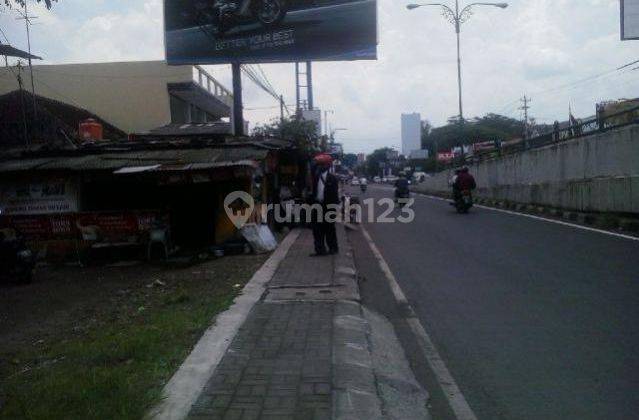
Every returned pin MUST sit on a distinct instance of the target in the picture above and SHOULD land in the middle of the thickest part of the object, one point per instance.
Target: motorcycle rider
(464, 181)
(363, 184)
(401, 186)
(453, 184)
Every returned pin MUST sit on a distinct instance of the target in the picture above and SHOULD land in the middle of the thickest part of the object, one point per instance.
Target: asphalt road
(534, 320)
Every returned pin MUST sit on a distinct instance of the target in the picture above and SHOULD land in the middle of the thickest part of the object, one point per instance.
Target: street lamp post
(457, 18)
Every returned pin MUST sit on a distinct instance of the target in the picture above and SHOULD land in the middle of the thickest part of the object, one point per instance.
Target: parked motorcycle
(225, 14)
(464, 201)
(17, 261)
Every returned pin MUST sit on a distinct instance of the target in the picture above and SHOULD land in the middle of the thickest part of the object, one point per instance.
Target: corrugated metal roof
(185, 158)
(193, 129)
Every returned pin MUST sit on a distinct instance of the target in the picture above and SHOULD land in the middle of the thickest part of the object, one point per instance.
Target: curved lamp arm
(415, 6)
(467, 11)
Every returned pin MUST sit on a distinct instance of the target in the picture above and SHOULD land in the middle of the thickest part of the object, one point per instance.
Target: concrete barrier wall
(594, 173)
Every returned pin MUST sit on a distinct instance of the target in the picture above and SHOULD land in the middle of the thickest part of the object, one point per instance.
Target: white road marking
(456, 399)
(543, 219)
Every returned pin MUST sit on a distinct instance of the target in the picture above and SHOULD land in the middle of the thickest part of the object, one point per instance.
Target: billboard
(629, 19)
(258, 31)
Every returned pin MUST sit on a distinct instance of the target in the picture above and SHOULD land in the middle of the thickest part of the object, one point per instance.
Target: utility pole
(308, 102)
(238, 111)
(297, 88)
(24, 114)
(27, 23)
(525, 107)
(281, 109)
(309, 84)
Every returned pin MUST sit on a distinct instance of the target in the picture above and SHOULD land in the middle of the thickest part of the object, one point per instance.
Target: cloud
(532, 48)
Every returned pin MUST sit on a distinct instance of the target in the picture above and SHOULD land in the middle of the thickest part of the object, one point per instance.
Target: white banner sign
(55, 196)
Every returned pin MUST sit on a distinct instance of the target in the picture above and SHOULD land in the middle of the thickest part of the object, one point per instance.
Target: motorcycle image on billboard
(259, 31)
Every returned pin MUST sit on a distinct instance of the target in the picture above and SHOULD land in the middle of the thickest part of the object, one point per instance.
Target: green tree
(427, 127)
(301, 132)
(376, 160)
(349, 160)
(486, 128)
(10, 3)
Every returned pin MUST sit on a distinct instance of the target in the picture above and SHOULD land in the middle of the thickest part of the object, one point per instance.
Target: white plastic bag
(260, 237)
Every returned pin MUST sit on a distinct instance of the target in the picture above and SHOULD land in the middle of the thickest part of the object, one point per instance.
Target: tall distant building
(411, 133)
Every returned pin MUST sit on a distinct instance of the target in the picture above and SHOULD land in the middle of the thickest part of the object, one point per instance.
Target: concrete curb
(354, 386)
(372, 378)
(187, 383)
(612, 222)
(344, 271)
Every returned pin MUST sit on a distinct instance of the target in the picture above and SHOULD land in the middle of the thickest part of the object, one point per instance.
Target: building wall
(411, 133)
(594, 173)
(133, 96)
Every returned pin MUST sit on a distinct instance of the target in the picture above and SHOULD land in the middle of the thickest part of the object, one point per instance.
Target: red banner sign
(86, 226)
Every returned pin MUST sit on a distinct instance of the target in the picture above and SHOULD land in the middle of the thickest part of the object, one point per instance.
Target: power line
(260, 79)
(263, 82)
(255, 77)
(4, 36)
(257, 108)
(573, 85)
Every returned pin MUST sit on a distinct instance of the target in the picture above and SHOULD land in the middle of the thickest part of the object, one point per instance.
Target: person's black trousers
(331, 236)
(324, 235)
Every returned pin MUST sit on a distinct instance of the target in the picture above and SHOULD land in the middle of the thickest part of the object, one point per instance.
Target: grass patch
(116, 369)
(113, 373)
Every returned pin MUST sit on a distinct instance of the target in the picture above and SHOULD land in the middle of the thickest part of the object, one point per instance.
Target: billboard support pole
(281, 109)
(238, 114)
(309, 84)
(297, 87)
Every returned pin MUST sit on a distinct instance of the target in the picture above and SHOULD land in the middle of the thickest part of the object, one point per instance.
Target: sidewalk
(303, 351)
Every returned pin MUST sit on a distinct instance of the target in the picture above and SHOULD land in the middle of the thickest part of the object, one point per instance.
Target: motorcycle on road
(402, 197)
(463, 201)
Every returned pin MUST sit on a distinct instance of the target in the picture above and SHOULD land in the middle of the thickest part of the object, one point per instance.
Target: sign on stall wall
(42, 227)
(93, 226)
(41, 197)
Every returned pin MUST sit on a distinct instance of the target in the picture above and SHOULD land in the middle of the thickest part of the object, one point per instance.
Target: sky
(560, 53)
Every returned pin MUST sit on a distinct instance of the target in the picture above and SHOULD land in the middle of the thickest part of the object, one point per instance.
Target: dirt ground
(65, 302)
